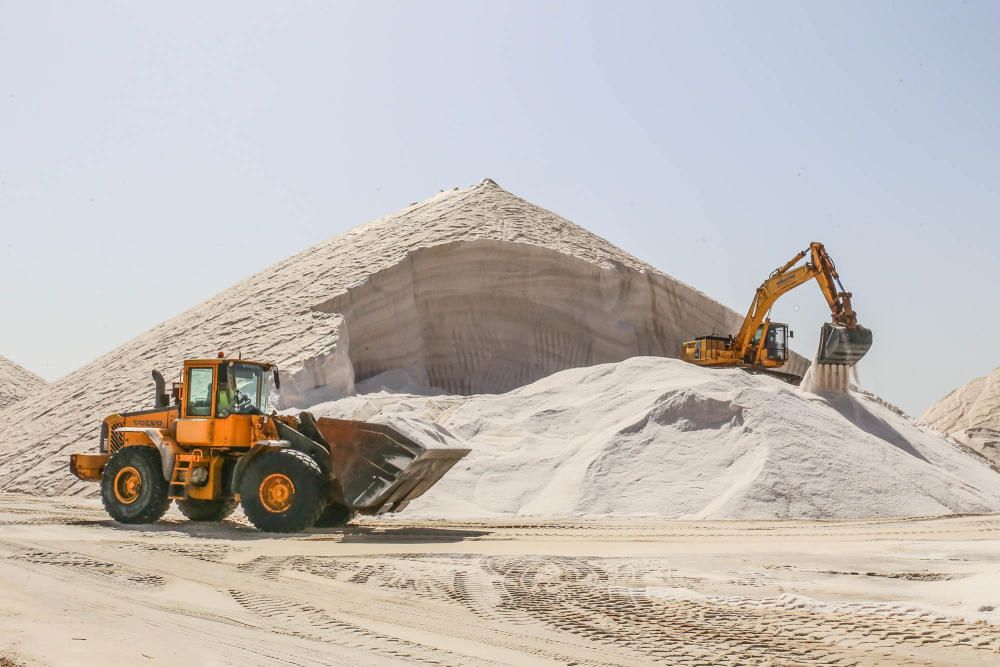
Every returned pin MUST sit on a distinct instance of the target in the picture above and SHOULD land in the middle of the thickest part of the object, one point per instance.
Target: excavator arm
(842, 313)
(783, 280)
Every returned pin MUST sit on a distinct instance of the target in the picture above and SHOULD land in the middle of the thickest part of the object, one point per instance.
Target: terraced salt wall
(488, 316)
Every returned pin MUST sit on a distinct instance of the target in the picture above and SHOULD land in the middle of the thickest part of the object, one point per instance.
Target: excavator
(761, 345)
(218, 447)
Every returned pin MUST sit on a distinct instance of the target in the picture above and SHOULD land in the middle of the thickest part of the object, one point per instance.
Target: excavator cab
(776, 343)
(775, 350)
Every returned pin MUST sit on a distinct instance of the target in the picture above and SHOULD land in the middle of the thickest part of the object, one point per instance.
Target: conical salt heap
(16, 383)
(473, 290)
(971, 414)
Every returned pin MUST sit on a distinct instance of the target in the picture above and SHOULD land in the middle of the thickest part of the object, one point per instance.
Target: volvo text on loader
(217, 447)
(762, 345)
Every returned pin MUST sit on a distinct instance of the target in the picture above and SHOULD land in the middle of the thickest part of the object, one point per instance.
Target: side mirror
(277, 379)
(791, 334)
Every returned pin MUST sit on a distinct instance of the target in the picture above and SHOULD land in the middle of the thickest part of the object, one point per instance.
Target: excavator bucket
(380, 468)
(842, 346)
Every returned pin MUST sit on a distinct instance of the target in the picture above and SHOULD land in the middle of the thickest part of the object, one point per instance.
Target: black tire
(132, 486)
(207, 510)
(334, 516)
(261, 488)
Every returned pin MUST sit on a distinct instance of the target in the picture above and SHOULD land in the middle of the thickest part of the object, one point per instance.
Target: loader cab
(224, 387)
(775, 336)
(222, 401)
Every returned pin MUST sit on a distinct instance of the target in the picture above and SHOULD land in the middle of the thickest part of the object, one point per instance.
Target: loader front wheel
(207, 510)
(133, 489)
(283, 491)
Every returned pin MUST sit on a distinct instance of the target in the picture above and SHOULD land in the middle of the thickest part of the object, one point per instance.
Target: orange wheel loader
(216, 447)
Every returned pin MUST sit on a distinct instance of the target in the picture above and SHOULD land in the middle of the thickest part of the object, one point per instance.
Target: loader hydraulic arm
(785, 279)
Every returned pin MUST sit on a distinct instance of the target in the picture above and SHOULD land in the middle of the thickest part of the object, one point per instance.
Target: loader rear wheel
(334, 516)
(283, 491)
(207, 510)
(133, 489)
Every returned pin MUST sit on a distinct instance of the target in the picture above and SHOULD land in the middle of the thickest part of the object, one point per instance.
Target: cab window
(199, 392)
(242, 390)
(776, 344)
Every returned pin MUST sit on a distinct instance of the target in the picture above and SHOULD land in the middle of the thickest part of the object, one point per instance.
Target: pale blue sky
(152, 156)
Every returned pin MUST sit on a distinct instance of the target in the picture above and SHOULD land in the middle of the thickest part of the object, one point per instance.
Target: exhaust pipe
(161, 400)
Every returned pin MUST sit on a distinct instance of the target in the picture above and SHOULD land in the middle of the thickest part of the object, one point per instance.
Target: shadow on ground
(232, 530)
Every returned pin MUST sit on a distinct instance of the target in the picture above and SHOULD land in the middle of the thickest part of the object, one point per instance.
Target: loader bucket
(843, 346)
(380, 468)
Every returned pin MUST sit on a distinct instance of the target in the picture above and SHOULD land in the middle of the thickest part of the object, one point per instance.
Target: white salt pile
(974, 405)
(971, 415)
(476, 290)
(658, 437)
(473, 290)
(16, 382)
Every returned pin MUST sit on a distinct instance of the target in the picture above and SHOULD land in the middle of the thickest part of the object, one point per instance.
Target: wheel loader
(216, 447)
(761, 345)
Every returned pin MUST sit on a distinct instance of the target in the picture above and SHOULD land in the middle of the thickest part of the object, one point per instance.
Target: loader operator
(232, 400)
(224, 402)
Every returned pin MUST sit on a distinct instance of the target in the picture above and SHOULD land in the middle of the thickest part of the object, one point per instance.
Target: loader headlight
(199, 476)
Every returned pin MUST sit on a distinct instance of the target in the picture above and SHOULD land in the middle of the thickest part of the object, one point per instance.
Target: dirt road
(77, 589)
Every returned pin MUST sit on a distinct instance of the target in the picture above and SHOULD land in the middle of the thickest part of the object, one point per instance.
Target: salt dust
(826, 378)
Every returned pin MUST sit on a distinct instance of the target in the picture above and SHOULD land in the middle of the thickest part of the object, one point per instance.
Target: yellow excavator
(220, 445)
(762, 344)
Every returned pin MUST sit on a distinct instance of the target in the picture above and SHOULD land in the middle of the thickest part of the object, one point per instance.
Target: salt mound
(473, 290)
(975, 405)
(16, 382)
(658, 437)
(971, 414)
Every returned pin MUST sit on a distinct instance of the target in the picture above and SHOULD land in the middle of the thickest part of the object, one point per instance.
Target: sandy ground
(78, 589)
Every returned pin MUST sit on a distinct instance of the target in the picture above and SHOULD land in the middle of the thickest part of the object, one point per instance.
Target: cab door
(197, 425)
(777, 343)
